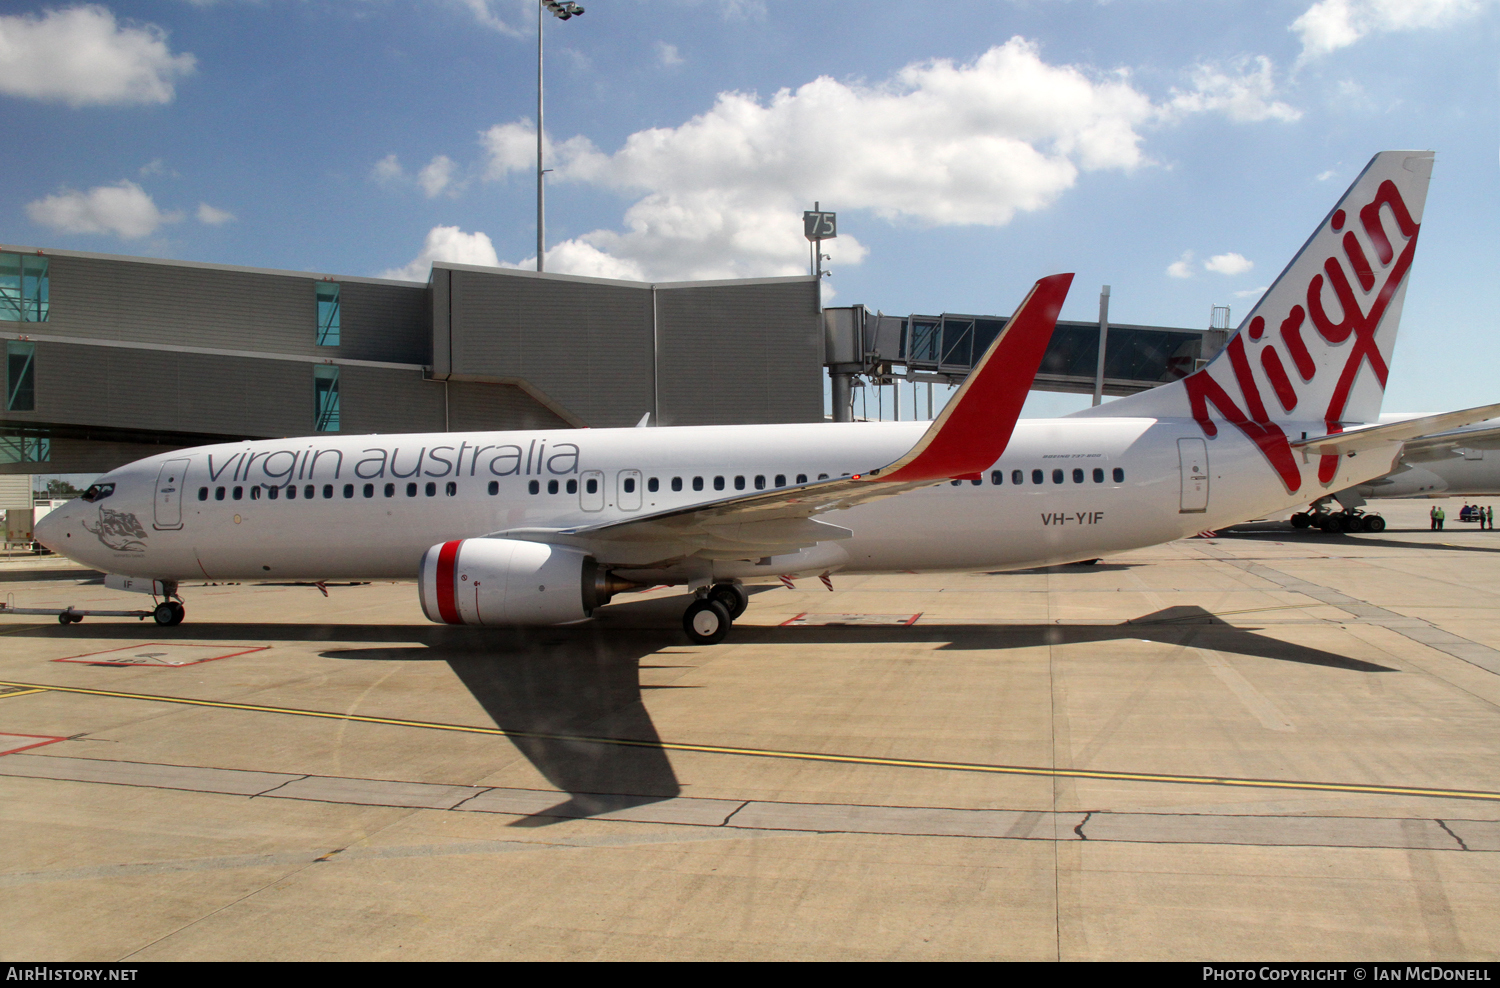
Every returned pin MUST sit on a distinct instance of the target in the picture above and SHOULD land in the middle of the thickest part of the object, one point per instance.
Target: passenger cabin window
(431, 489)
(1077, 475)
(739, 483)
(23, 288)
(254, 493)
(781, 480)
(536, 488)
(653, 485)
(238, 493)
(760, 481)
(451, 489)
(997, 477)
(676, 483)
(390, 490)
(629, 484)
(1119, 475)
(203, 493)
(411, 489)
(1017, 477)
(1098, 475)
(801, 478)
(591, 486)
(572, 487)
(325, 398)
(697, 483)
(328, 313)
(718, 483)
(1057, 476)
(495, 487)
(1036, 476)
(551, 487)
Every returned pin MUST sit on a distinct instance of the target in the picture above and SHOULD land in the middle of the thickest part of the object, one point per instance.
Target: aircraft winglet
(976, 424)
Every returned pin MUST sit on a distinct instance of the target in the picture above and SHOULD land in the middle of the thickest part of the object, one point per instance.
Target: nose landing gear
(169, 613)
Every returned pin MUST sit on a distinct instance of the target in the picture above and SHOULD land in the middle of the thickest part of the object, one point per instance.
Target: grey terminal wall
(139, 356)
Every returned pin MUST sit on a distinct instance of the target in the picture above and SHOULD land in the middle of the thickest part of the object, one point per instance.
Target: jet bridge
(864, 348)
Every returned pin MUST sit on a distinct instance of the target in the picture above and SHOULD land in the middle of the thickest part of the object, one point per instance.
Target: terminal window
(326, 397)
(328, 313)
(25, 449)
(20, 376)
(23, 287)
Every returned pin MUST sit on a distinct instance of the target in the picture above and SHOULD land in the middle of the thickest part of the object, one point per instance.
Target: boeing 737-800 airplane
(515, 528)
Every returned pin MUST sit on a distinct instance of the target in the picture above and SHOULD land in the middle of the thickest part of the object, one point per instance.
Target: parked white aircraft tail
(1315, 351)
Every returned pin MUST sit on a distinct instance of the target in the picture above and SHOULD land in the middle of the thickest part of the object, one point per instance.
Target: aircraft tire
(166, 614)
(1301, 520)
(1329, 524)
(734, 597)
(1374, 523)
(706, 622)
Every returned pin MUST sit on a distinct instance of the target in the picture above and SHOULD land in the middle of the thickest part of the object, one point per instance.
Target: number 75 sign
(819, 225)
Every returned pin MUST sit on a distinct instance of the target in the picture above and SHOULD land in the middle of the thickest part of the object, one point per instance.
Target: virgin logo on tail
(1388, 271)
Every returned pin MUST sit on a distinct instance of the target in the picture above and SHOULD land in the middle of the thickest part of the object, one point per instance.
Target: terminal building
(110, 358)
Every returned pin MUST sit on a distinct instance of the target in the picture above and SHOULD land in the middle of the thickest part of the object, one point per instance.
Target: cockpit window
(98, 492)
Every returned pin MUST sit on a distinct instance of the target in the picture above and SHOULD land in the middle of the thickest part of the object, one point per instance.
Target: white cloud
(123, 209)
(1230, 264)
(514, 24)
(214, 217)
(1245, 97)
(580, 258)
(81, 56)
(1182, 267)
(437, 176)
(1329, 25)
(387, 169)
(1252, 292)
(447, 243)
(938, 143)
(1325, 176)
(667, 54)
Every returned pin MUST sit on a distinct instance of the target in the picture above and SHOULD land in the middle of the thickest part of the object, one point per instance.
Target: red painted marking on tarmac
(37, 741)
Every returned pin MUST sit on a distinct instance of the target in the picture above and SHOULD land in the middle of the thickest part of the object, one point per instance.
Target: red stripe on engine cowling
(447, 605)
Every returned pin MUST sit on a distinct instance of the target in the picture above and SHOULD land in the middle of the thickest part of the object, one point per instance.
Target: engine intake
(511, 582)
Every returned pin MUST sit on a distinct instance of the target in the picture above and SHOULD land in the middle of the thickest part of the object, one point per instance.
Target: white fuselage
(368, 507)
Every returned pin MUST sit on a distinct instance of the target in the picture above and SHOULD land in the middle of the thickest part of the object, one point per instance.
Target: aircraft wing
(965, 439)
(1427, 427)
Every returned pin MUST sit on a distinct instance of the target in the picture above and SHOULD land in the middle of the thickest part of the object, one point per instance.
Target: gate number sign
(819, 226)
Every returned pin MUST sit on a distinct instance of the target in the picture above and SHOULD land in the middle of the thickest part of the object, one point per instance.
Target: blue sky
(1178, 151)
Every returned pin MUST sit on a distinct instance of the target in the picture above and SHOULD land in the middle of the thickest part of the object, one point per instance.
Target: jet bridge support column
(843, 352)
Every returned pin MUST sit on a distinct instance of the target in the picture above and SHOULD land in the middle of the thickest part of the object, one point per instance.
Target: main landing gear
(1338, 521)
(708, 618)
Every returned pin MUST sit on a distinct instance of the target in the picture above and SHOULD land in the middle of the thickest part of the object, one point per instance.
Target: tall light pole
(562, 10)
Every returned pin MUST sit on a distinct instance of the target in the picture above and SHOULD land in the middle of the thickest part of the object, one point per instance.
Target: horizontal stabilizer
(1369, 437)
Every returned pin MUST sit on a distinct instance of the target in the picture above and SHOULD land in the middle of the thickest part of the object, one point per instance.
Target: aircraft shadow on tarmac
(584, 680)
(1341, 539)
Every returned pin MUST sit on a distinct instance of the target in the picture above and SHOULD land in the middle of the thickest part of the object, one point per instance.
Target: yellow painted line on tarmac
(7, 693)
(804, 756)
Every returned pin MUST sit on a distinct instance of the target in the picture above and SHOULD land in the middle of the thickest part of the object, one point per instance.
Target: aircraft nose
(51, 530)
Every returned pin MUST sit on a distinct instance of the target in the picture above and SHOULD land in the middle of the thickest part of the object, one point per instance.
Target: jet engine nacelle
(510, 582)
